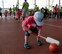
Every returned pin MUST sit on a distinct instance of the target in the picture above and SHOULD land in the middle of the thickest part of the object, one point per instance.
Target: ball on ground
(53, 48)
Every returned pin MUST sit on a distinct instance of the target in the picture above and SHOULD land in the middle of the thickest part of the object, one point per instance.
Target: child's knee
(27, 33)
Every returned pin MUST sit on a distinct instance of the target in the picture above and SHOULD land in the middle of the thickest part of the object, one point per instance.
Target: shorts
(33, 29)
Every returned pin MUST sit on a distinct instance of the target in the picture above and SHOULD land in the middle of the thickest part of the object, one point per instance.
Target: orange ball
(53, 48)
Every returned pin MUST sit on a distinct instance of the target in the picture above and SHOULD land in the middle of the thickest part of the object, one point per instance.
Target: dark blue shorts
(33, 29)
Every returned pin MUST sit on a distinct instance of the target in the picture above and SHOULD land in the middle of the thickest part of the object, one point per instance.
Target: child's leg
(6, 16)
(39, 42)
(38, 38)
(26, 45)
(19, 19)
(1, 14)
(26, 39)
(27, 34)
(35, 31)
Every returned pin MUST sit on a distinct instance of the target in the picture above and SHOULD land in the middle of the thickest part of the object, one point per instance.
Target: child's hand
(39, 32)
(29, 31)
(39, 35)
(34, 25)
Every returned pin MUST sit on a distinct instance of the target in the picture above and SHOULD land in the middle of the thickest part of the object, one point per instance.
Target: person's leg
(19, 19)
(26, 44)
(14, 14)
(27, 13)
(1, 15)
(39, 42)
(23, 13)
(60, 14)
(56, 15)
(35, 31)
(26, 40)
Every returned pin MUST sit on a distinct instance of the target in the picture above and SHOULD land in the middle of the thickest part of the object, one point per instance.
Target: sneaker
(27, 46)
(39, 43)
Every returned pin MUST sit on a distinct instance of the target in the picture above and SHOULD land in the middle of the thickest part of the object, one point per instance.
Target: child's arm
(23, 26)
(27, 29)
(39, 32)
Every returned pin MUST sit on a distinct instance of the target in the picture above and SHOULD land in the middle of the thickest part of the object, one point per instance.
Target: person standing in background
(0, 11)
(14, 10)
(60, 11)
(5, 13)
(36, 8)
(56, 11)
(10, 11)
(25, 8)
(18, 15)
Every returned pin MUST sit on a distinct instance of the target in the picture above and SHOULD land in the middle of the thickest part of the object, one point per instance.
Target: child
(6, 13)
(14, 9)
(32, 24)
(10, 11)
(18, 14)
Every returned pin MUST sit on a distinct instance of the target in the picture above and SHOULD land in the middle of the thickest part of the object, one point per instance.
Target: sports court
(11, 33)
(12, 37)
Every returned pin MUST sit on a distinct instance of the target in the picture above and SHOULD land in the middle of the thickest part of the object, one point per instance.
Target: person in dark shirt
(45, 12)
(0, 11)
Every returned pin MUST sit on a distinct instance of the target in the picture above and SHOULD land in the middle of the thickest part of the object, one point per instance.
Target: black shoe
(27, 46)
(39, 43)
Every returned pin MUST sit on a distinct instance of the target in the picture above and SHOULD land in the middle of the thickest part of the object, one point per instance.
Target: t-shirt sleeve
(25, 22)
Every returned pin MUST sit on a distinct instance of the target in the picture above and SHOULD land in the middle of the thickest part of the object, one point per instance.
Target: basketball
(53, 48)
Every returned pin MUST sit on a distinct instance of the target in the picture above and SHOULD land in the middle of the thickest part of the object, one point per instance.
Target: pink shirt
(29, 21)
(5, 13)
(55, 9)
(18, 14)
